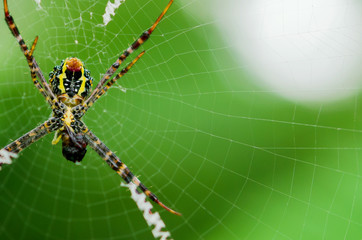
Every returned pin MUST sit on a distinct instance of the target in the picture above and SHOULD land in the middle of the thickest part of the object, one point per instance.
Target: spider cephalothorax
(70, 95)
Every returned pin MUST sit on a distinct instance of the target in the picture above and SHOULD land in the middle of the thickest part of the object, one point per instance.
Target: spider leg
(111, 82)
(33, 46)
(44, 89)
(27, 139)
(134, 46)
(117, 165)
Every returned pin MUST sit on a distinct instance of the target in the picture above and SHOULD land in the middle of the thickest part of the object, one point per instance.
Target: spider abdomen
(72, 86)
(74, 148)
(71, 81)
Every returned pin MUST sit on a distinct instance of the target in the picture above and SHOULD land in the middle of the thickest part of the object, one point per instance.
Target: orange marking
(74, 64)
(6, 10)
(160, 17)
(33, 46)
(140, 41)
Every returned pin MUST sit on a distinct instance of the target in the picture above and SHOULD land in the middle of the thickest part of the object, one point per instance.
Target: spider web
(235, 158)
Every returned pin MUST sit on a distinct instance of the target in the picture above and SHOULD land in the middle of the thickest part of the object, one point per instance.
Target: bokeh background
(245, 117)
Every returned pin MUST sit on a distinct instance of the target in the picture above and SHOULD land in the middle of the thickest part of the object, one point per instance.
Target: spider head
(71, 81)
(74, 146)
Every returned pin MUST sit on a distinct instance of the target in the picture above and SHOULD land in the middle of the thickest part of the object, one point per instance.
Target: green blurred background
(238, 161)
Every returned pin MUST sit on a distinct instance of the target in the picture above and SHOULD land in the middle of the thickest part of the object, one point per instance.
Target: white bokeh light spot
(304, 50)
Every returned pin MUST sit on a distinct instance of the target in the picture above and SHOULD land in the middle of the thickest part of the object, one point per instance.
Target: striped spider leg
(68, 111)
(117, 165)
(12, 149)
(134, 46)
(44, 89)
(106, 154)
(109, 84)
(113, 161)
(80, 110)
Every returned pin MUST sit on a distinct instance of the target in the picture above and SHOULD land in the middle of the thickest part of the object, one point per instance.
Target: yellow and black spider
(69, 96)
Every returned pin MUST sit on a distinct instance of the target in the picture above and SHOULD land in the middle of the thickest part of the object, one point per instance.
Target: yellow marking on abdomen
(61, 76)
(82, 87)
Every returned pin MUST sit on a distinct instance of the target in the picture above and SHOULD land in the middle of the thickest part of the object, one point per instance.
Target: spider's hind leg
(35, 71)
(109, 84)
(133, 47)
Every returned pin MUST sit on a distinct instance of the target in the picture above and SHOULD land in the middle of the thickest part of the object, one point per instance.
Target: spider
(69, 94)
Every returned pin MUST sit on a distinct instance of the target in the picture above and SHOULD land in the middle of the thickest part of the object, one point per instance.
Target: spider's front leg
(11, 150)
(117, 165)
